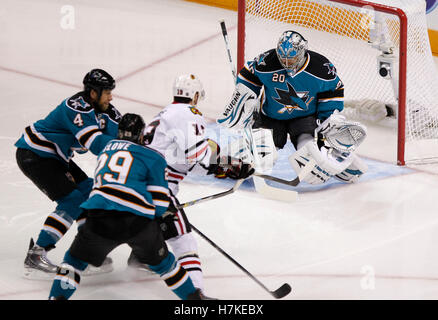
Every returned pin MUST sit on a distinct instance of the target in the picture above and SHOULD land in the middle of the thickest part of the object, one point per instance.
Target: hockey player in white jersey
(178, 132)
(297, 92)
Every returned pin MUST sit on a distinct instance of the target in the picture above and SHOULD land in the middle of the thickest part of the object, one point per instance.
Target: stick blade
(281, 292)
(273, 193)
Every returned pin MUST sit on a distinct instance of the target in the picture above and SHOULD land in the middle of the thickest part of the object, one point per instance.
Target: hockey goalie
(296, 92)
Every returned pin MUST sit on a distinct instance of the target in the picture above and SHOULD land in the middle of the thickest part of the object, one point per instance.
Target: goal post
(360, 37)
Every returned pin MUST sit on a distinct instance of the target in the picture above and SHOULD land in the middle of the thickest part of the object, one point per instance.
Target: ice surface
(373, 240)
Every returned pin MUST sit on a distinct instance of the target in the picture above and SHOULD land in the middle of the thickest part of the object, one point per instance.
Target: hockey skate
(106, 267)
(137, 265)
(198, 295)
(36, 265)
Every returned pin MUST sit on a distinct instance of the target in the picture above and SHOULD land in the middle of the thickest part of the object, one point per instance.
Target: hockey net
(364, 40)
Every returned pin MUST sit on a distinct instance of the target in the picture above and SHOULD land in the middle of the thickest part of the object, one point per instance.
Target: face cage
(293, 64)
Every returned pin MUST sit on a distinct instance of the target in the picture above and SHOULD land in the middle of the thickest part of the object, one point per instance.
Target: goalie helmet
(98, 80)
(131, 128)
(291, 51)
(186, 86)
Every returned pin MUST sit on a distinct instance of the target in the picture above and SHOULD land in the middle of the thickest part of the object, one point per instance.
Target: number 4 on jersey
(78, 120)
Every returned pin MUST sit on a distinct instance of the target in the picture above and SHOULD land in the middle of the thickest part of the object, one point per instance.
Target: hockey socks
(175, 276)
(185, 248)
(67, 279)
(59, 221)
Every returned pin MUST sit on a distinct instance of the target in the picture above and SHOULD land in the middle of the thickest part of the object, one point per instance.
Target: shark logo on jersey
(292, 100)
(260, 59)
(79, 104)
(331, 68)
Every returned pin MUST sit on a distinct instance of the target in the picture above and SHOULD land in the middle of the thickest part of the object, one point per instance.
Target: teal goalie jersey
(314, 89)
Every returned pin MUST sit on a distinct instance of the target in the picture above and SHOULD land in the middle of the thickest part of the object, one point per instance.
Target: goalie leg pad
(255, 147)
(354, 171)
(327, 164)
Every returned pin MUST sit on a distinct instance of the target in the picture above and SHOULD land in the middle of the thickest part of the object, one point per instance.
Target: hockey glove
(239, 170)
(220, 173)
(233, 168)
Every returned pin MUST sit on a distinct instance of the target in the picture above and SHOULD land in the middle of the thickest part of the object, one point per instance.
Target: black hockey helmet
(98, 80)
(131, 127)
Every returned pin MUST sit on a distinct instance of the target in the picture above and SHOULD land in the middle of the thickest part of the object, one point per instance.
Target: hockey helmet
(291, 51)
(131, 128)
(186, 86)
(98, 80)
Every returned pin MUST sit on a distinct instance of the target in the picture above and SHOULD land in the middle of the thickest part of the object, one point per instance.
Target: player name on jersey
(116, 146)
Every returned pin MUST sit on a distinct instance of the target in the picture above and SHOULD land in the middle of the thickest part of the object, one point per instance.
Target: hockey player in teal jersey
(294, 91)
(130, 190)
(85, 121)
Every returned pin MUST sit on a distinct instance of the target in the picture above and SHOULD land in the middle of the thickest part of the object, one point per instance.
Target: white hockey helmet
(187, 85)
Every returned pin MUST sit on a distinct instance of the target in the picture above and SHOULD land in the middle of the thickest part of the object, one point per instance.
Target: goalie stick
(230, 59)
(279, 293)
(260, 185)
(294, 182)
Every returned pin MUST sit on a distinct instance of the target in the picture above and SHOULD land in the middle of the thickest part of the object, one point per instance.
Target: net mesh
(344, 34)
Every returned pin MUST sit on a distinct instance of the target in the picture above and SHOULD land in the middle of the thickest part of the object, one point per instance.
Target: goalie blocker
(240, 111)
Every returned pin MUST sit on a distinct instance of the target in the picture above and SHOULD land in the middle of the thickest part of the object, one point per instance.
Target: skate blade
(35, 274)
(140, 270)
(92, 270)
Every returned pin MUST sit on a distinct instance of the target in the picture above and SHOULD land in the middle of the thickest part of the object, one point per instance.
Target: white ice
(373, 240)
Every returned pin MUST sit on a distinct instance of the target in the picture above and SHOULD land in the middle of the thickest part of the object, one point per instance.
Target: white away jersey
(178, 133)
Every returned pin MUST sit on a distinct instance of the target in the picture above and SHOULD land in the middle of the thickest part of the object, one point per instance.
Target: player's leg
(301, 130)
(177, 232)
(85, 184)
(150, 249)
(53, 178)
(279, 129)
(101, 233)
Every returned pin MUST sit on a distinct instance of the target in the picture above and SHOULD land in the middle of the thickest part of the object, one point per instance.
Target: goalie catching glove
(335, 158)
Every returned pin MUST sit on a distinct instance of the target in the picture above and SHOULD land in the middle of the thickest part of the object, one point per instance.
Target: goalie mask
(291, 51)
(186, 86)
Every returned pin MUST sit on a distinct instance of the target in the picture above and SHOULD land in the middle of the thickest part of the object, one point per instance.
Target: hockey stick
(213, 196)
(281, 292)
(230, 59)
(304, 172)
(260, 185)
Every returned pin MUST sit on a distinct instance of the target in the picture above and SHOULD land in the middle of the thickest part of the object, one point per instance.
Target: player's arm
(249, 79)
(199, 151)
(330, 99)
(112, 125)
(157, 186)
(83, 125)
(219, 164)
